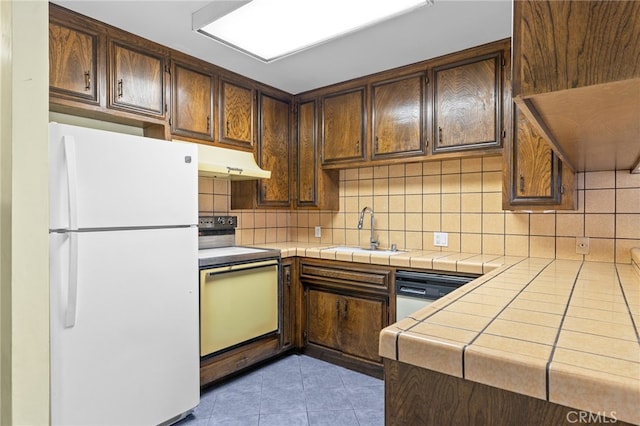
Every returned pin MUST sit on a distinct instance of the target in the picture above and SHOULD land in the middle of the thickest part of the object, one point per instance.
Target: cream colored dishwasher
(238, 303)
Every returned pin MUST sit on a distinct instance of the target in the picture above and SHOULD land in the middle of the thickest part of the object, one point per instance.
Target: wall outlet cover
(317, 231)
(440, 239)
(582, 245)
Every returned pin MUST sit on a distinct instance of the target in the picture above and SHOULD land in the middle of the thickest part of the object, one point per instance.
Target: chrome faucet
(373, 244)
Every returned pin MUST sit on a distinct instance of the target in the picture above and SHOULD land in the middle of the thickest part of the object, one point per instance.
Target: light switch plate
(317, 232)
(440, 239)
(582, 245)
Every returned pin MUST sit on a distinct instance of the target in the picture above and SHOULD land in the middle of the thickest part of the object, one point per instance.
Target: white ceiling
(447, 26)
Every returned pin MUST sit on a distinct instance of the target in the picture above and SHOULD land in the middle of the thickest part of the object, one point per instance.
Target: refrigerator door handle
(72, 291)
(72, 180)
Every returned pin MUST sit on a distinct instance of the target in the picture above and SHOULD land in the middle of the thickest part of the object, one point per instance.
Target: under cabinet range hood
(229, 164)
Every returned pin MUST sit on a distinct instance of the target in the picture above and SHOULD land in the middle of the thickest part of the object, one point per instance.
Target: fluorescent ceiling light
(272, 29)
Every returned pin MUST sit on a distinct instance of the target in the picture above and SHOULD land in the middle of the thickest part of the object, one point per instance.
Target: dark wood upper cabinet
(73, 63)
(315, 188)
(192, 94)
(307, 154)
(398, 117)
(535, 178)
(343, 126)
(467, 104)
(236, 114)
(274, 150)
(576, 76)
(137, 79)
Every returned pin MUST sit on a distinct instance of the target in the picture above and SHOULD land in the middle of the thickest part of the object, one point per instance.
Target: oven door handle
(239, 267)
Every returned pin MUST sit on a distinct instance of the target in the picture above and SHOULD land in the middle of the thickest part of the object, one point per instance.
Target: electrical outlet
(440, 239)
(582, 245)
(318, 232)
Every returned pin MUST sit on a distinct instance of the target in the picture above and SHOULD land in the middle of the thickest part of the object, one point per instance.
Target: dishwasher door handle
(411, 290)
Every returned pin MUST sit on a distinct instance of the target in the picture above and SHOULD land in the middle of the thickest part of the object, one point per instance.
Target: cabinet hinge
(426, 80)
(504, 133)
(503, 62)
(562, 189)
(167, 69)
(165, 107)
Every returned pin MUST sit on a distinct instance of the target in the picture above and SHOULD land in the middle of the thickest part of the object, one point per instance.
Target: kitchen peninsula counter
(563, 332)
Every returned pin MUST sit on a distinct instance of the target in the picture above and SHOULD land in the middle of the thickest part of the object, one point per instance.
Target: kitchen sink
(363, 250)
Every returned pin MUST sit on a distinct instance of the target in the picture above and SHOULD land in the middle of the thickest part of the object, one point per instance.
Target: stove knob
(230, 221)
(221, 220)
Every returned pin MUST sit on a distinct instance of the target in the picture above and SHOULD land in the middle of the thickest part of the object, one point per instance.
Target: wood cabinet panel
(288, 310)
(323, 318)
(236, 114)
(343, 315)
(307, 154)
(576, 76)
(535, 178)
(398, 117)
(467, 104)
(343, 124)
(192, 102)
(274, 151)
(73, 62)
(418, 396)
(315, 188)
(362, 322)
(137, 80)
(568, 44)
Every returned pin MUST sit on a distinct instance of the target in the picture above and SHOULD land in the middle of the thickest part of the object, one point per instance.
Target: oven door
(237, 303)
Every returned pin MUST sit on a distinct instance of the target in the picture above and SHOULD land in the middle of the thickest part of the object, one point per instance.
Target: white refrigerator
(124, 278)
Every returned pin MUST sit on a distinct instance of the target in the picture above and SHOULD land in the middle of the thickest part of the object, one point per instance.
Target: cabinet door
(398, 117)
(137, 80)
(538, 178)
(360, 326)
(467, 107)
(307, 154)
(73, 63)
(273, 151)
(343, 119)
(236, 114)
(192, 108)
(323, 318)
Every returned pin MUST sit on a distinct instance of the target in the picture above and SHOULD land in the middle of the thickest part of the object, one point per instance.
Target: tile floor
(295, 390)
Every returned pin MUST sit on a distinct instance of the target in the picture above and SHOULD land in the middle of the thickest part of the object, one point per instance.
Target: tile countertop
(472, 263)
(564, 331)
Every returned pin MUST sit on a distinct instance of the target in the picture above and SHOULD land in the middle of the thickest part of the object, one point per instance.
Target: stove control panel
(217, 222)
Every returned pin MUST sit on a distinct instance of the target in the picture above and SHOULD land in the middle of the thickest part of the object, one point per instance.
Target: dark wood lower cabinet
(344, 309)
(417, 396)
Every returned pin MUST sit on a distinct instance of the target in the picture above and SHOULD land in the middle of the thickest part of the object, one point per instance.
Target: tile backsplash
(461, 197)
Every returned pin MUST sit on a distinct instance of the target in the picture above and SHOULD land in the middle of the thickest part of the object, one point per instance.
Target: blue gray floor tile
(295, 390)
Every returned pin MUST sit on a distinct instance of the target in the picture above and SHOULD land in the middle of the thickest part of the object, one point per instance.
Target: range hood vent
(228, 164)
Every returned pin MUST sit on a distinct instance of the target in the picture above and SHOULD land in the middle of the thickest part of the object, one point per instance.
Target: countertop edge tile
(596, 392)
(513, 372)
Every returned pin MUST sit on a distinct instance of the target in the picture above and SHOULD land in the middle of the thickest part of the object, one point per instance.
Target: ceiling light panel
(272, 29)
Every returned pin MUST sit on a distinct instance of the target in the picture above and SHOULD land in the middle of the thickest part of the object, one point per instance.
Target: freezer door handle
(72, 291)
(72, 179)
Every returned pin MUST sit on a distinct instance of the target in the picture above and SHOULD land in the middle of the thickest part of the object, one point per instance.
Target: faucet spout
(373, 243)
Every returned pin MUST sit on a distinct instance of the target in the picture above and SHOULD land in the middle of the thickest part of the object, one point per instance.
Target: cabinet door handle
(208, 122)
(440, 134)
(377, 144)
(120, 88)
(228, 128)
(357, 146)
(521, 183)
(288, 278)
(346, 308)
(87, 81)
(338, 307)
